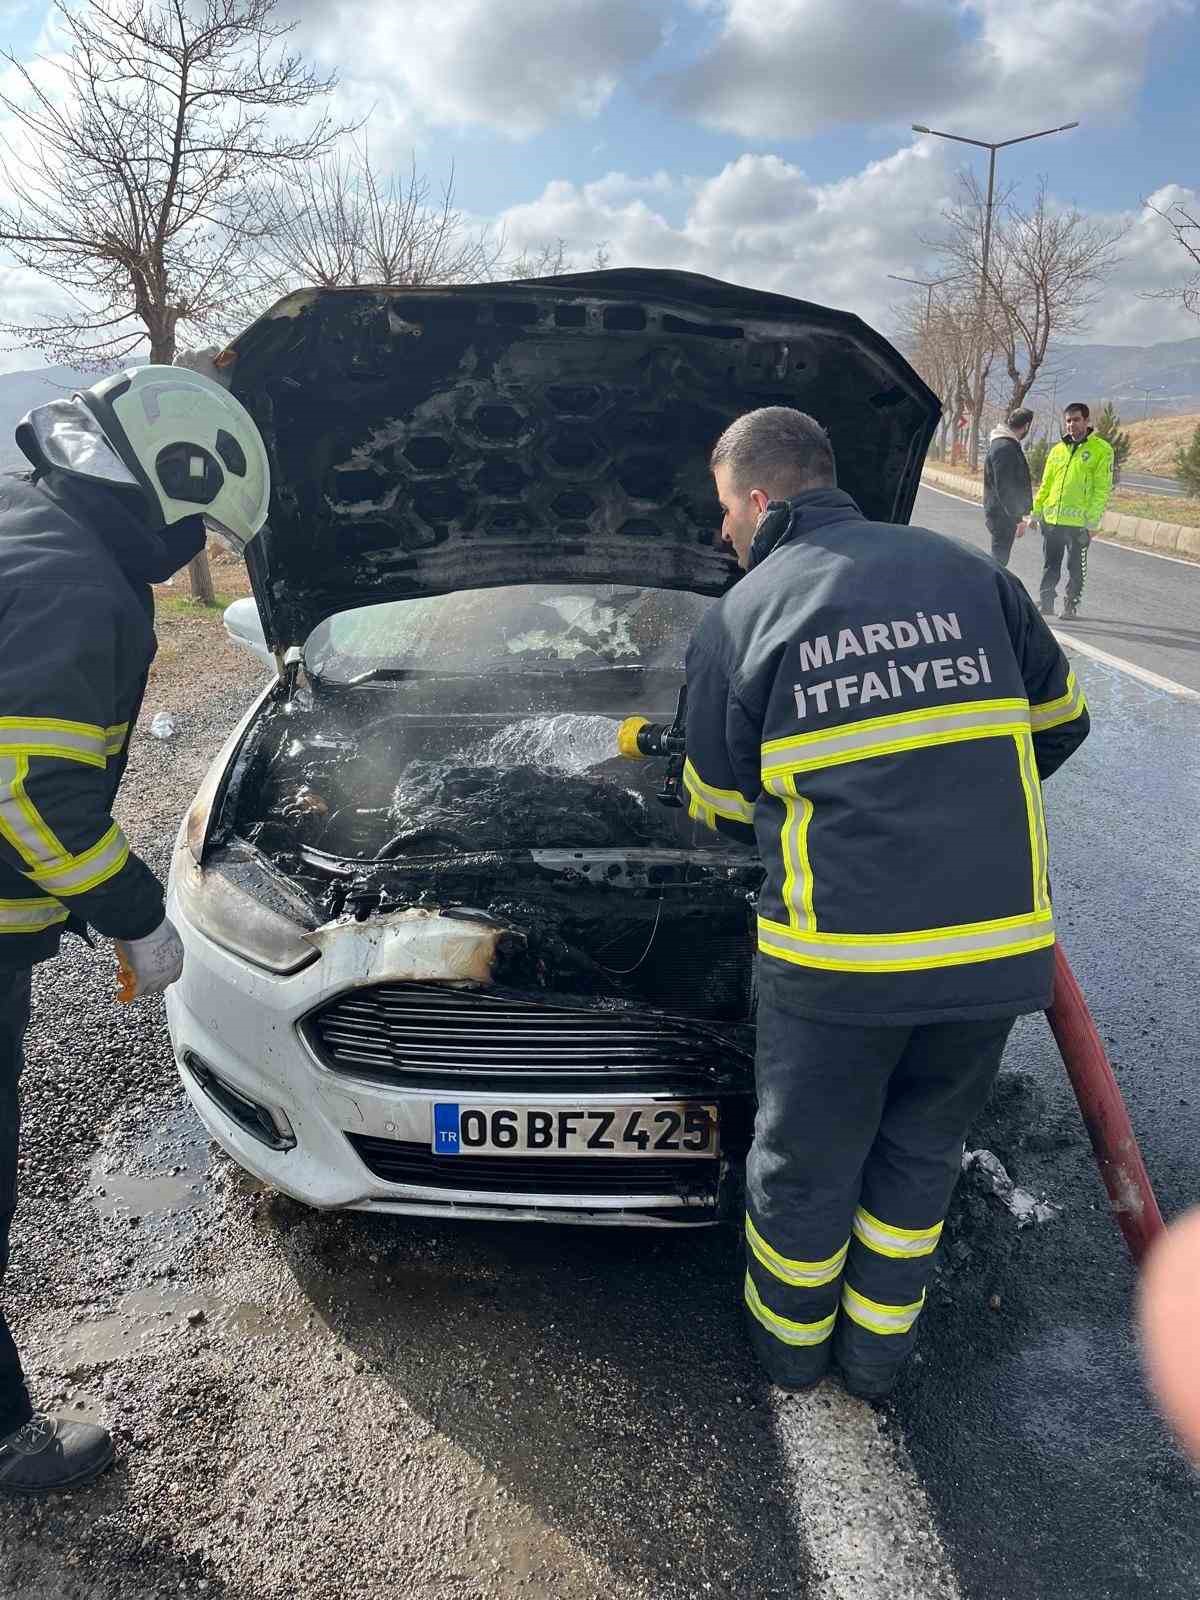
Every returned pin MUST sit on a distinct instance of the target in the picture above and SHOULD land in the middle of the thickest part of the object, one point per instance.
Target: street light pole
(929, 285)
(991, 148)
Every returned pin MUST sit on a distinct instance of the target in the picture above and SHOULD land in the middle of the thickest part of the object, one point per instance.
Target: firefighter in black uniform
(124, 476)
(877, 706)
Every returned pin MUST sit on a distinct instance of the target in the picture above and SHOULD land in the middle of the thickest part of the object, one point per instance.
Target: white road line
(1154, 679)
(1097, 538)
(860, 1508)
(961, 498)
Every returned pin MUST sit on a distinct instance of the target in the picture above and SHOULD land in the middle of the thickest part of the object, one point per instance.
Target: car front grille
(431, 1036)
(398, 1161)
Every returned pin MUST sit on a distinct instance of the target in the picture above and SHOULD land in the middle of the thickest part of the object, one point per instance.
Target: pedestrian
(874, 705)
(124, 475)
(1007, 490)
(1070, 502)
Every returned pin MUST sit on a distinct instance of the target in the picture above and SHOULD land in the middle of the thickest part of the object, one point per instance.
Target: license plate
(672, 1129)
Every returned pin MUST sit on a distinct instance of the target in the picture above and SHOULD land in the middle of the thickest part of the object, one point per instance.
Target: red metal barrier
(1104, 1113)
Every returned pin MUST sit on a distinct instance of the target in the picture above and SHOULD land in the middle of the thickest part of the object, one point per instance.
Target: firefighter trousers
(858, 1142)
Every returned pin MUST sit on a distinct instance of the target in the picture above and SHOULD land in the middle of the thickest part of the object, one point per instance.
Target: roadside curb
(1168, 538)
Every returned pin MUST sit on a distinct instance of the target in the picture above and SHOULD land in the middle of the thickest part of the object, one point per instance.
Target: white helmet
(180, 438)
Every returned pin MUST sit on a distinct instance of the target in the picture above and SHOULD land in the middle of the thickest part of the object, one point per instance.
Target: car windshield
(581, 627)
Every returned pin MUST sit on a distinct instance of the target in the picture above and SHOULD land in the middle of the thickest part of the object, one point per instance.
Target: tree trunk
(201, 576)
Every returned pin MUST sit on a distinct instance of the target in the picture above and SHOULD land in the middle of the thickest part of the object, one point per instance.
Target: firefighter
(876, 706)
(124, 476)
(1070, 503)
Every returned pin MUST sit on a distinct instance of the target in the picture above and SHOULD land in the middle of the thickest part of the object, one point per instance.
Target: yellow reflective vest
(1076, 483)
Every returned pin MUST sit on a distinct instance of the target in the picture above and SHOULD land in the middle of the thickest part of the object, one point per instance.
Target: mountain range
(1157, 379)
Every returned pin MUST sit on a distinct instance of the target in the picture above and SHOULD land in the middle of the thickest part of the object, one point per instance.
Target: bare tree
(139, 190)
(136, 190)
(939, 335)
(1047, 268)
(1185, 225)
(339, 221)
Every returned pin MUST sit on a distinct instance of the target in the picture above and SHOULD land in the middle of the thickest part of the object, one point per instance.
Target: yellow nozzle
(627, 737)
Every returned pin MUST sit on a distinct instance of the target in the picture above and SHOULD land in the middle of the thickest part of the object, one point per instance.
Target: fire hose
(1101, 1104)
(1104, 1113)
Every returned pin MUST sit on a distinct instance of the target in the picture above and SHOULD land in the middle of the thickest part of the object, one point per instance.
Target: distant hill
(21, 391)
(1152, 444)
(1091, 372)
(1124, 374)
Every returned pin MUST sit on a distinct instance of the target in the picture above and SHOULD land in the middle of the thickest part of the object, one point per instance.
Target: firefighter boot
(47, 1454)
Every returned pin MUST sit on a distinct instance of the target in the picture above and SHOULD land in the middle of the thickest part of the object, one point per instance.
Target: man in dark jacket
(876, 706)
(124, 475)
(1007, 488)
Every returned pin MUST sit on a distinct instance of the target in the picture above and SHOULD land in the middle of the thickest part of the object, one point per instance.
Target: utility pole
(991, 148)
(929, 285)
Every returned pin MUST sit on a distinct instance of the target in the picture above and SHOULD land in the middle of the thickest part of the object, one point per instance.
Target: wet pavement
(343, 1406)
(1050, 1476)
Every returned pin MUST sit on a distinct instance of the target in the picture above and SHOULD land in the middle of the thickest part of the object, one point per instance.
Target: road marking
(1097, 538)
(1154, 679)
(961, 498)
(862, 1511)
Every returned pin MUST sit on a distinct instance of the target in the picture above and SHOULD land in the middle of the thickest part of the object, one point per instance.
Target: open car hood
(557, 429)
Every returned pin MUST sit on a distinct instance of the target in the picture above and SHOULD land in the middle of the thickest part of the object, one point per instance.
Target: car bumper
(301, 1128)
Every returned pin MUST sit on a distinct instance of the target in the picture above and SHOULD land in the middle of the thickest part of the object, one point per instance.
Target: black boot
(46, 1454)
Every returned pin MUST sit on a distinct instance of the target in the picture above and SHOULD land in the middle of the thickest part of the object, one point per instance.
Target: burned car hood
(427, 440)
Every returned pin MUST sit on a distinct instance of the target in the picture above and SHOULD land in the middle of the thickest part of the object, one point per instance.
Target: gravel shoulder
(348, 1407)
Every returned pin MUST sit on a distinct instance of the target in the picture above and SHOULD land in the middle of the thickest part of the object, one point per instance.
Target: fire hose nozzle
(627, 738)
(638, 738)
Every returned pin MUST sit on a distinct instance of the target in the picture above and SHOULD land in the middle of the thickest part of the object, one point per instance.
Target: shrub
(1035, 453)
(1109, 427)
(1187, 464)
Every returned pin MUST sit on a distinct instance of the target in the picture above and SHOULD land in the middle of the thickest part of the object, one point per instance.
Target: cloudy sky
(766, 141)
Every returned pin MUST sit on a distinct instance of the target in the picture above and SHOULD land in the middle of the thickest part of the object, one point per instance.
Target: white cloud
(760, 221)
(517, 67)
(994, 68)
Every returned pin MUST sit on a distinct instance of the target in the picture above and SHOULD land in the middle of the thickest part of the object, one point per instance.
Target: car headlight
(236, 921)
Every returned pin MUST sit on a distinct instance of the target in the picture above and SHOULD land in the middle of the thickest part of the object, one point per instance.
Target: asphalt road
(1140, 607)
(1148, 480)
(1049, 1476)
(341, 1406)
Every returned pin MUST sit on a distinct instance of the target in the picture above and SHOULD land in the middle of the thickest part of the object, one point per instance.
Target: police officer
(1070, 503)
(124, 476)
(876, 706)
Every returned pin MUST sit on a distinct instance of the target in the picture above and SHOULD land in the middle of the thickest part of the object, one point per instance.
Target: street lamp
(991, 148)
(928, 284)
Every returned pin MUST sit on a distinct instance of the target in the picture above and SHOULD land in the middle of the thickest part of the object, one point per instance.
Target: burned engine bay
(499, 795)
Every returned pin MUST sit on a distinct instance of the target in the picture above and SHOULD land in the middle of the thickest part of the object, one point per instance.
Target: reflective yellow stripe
(78, 874)
(797, 814)
(699, 812)
(727, 803)
(783, 1329)
(114, 738)
(908, 952)
(877, 1318)
(30, 916)
(798, 1274)
(20, 823)
(1039, 845)
(907, 730)
(49, 736)
(1052, 713)
(899, 1243)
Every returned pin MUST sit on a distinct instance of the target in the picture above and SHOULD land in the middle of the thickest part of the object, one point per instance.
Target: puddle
(154, 1186)
(148, 1316)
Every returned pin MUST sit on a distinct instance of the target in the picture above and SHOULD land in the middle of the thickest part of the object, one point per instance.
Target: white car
(447, 951)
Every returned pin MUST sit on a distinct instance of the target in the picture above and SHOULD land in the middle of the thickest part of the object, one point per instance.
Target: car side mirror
(244, 627)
